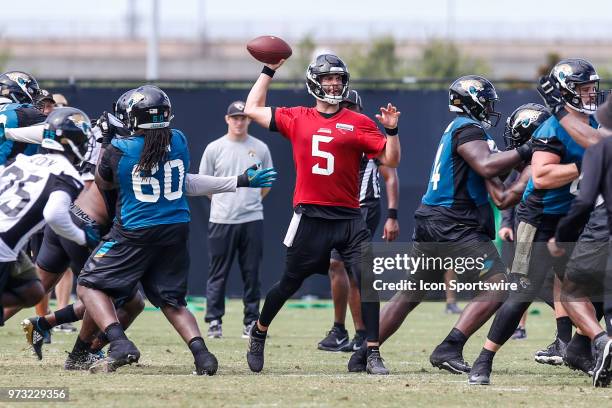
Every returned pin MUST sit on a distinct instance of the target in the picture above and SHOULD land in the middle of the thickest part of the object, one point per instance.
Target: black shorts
(115, 268)
(35, 243)
(310, 240)
(371, 215)
(533, 260)
(14, 275)
(57, 253)
(431, 241)
(587, 264)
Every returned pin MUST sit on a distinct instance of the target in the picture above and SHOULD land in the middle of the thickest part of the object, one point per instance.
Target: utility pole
(131, 19)
(153, 44)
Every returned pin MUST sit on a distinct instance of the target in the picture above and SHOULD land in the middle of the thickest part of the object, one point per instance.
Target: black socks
(43, 324)
(258, 334)
(485, 356)
(114, 332)
(456, 338)
(564, 329)
(197, 346)
(66, 315)
(80, 346)
(372, 349)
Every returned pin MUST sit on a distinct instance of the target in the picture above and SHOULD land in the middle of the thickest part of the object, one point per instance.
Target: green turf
(296, 374)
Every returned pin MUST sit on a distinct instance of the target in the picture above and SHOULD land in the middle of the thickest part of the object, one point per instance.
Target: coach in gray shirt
(236, 219)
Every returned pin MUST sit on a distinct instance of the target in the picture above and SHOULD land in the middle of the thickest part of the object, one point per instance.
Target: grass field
(298, 375)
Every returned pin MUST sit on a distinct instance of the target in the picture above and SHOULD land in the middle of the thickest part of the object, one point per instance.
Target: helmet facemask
(485, 114)
(318, 90)
(73, 137)
(582, 97)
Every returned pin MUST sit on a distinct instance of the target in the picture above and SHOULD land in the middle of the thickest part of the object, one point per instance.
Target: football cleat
(335, 340)
(65, 328)
(81, 360)
(354, 344)
(375, 364)
(519, 334)
(34, 335)
(553, 354)
(450, 359)
(206, 364)
(255, 353)
(358, 361)
(120, 353)
(480, 374)
(452, 308)
(246, 331)
(579, 356)
(603, 357)
(215, 330)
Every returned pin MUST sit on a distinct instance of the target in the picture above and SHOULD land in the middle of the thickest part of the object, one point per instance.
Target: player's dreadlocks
(156, 142)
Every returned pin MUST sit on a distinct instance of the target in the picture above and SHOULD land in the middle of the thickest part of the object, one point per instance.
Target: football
(269, 49)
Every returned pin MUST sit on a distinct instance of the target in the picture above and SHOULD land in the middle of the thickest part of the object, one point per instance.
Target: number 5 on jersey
(316, 152)
(138, 182)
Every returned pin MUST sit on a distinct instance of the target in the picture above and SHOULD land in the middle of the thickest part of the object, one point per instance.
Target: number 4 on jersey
(435, 175)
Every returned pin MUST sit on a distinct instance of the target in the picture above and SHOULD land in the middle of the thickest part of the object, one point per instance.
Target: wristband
(268, 71)
(561, 113)
(579, 166)
(391, 132)
(392, 213)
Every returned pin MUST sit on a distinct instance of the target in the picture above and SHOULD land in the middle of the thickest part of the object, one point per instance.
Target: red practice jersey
(327, 153)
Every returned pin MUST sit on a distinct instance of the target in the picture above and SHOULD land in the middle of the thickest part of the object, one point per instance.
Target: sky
(356, 19)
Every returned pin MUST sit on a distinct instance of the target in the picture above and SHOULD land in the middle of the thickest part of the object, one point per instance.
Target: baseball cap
(236, 108)
(604, 113)
(353, 98)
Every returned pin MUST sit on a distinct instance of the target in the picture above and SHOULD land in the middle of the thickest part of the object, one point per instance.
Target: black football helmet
(570, 73)
(521, 124)
(326, 64)
(19, 86)
(148, 107)
(120, 107)
(475, 96)
(352, 99)
(68, 131)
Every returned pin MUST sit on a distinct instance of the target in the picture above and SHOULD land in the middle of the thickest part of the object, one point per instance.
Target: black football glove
(107, 130)
(552, 96)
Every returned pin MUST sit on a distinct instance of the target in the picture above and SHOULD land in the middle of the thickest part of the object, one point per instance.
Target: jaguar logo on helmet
(526, 117)
(563, 71)
(134, 99)
(80, 122)
(471, 86)
(18, 77)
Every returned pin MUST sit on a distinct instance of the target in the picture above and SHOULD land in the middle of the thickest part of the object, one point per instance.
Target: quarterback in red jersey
(328, 144)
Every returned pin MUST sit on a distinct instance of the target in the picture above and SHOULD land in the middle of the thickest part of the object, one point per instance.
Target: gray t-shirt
(224, 157)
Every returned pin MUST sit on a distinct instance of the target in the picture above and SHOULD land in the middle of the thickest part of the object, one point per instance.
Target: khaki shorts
(23, 269)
